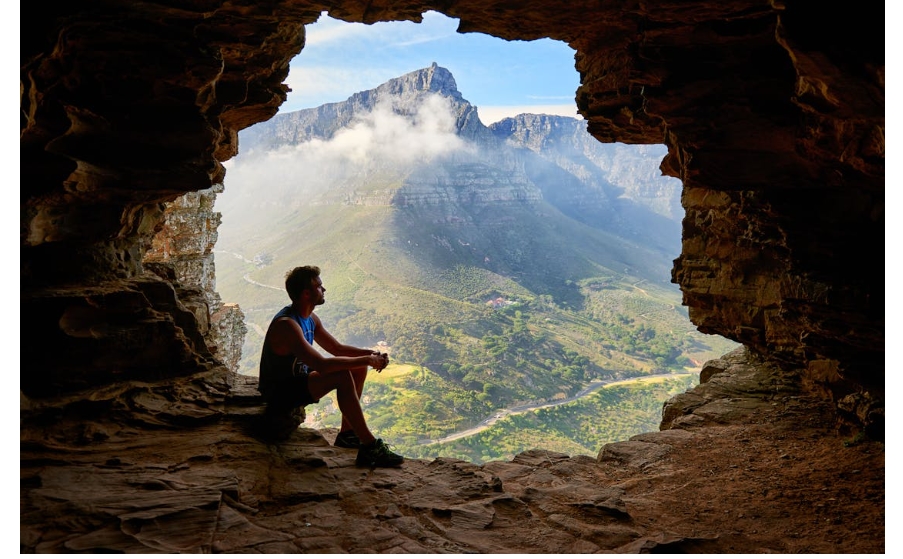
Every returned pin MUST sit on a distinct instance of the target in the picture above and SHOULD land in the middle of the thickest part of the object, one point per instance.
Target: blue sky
(501, 78)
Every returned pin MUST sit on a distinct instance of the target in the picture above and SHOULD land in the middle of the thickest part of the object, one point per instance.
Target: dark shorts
(291, 392)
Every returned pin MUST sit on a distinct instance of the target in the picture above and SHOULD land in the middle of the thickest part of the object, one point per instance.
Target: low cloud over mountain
(415, 140)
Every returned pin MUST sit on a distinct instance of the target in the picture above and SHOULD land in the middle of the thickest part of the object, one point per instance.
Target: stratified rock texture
(182, 252)
(765, 474)
(773, 115)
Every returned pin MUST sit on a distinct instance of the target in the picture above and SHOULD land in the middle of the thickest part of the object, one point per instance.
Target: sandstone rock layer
(751, 465)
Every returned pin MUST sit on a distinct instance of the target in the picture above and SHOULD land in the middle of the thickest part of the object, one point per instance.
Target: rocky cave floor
(764, 475)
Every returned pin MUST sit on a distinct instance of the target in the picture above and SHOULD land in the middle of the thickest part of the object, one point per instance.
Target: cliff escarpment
(133, 428)
(416, 142)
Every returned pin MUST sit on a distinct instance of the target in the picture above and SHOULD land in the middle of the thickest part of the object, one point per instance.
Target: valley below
(517, 410)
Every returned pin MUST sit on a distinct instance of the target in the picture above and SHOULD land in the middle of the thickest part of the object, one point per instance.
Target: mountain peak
(433, 78)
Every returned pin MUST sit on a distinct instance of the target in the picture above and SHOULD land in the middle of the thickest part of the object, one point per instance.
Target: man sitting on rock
(293, 374)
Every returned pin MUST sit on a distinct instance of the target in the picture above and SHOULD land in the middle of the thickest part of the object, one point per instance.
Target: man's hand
(381, 361)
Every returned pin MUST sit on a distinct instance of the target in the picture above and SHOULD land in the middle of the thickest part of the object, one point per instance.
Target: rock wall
(182, 253)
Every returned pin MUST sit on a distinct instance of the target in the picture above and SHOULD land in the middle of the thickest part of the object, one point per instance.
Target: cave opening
(302, 174)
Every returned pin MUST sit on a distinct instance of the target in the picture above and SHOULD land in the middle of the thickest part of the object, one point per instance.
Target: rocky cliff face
(773, 116)
(609, 186)
(519, 160)
(403, 95)
(182, 252)
(475, 169)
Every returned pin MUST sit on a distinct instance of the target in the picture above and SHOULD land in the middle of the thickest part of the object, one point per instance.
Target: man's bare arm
(328, 342)
(286, 337)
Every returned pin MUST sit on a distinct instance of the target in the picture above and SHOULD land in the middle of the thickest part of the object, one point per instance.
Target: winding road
(515, 410)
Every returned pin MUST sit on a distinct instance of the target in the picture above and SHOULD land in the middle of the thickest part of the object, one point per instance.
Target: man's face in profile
(318, 292)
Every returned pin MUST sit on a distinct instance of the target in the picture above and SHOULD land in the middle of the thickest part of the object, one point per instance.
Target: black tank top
(273, 367)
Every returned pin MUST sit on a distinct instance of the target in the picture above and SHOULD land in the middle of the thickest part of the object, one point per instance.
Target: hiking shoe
(347, 439)
(378, 455)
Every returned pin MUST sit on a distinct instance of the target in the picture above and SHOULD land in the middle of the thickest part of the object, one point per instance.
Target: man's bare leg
(372, 452)
(360, 377)
(348, 397)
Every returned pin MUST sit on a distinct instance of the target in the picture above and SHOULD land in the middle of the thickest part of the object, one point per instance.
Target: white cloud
(390, 137)
(491, 114)
(381, 138)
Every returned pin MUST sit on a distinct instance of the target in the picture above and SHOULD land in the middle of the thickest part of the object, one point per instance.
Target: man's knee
(344, 379)
(320, 383)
